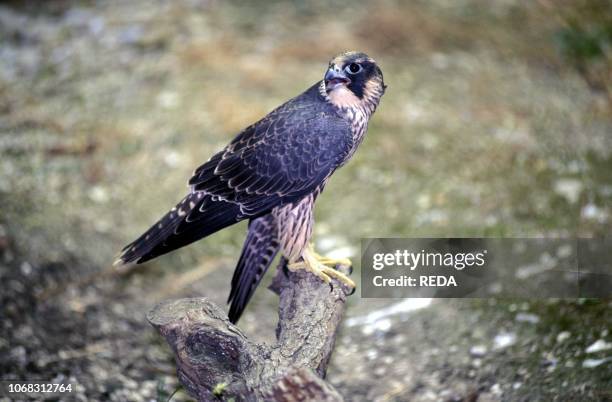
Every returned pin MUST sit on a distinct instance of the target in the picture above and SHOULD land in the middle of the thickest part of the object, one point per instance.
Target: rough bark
(216, 361)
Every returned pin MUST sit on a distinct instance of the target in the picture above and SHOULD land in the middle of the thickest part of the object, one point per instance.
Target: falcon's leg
(295, 230)
(318, 265)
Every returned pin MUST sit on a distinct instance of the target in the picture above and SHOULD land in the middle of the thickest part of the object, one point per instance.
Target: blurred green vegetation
(584, 39)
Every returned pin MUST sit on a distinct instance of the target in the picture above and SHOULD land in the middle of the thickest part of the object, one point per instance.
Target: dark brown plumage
(271, 174)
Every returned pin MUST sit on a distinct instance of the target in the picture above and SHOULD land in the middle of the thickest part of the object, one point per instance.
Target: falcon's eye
(353, 68)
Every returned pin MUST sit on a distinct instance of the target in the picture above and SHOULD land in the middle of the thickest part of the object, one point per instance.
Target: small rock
(168, 100)
(563, 336)
(383, 325)
(172, 159)
(372, 354)
(504, 339)
(591, 363)
(598, 346)
(26, 268)
(478, 350)
(527, 317)
(595, 213)
(550, 362)
(570, 189)
(98, 194)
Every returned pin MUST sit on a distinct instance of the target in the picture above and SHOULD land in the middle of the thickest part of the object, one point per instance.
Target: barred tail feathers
(260, 248)
(194, 218)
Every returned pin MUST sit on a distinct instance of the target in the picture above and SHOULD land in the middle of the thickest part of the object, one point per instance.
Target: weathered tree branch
(215, 360)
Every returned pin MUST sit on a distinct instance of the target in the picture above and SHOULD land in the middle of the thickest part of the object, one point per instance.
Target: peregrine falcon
(271, 174)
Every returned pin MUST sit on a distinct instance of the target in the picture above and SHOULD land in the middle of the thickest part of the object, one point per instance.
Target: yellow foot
(323, 267)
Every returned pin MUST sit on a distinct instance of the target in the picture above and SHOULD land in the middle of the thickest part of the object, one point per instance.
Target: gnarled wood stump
(215, 360)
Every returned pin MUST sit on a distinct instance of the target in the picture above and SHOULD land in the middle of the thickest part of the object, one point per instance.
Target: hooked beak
(334, 79)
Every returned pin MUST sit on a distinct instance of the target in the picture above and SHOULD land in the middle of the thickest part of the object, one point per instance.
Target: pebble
(26, 268)
(478, 350)
(98, 194)
(172, 159)
(598, 346)
(592, 363)
(569, 188)
(563, 336)
(527, 317)
(595, 213)
(504, 339)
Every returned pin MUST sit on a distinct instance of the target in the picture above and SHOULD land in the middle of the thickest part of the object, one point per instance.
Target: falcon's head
(354, 79)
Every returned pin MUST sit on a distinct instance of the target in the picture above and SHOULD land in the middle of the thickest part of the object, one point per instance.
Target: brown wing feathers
(279, 160)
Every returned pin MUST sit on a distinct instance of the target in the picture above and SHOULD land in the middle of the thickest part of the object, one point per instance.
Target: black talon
(331, 287)
(352, 291)
(350, 270)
